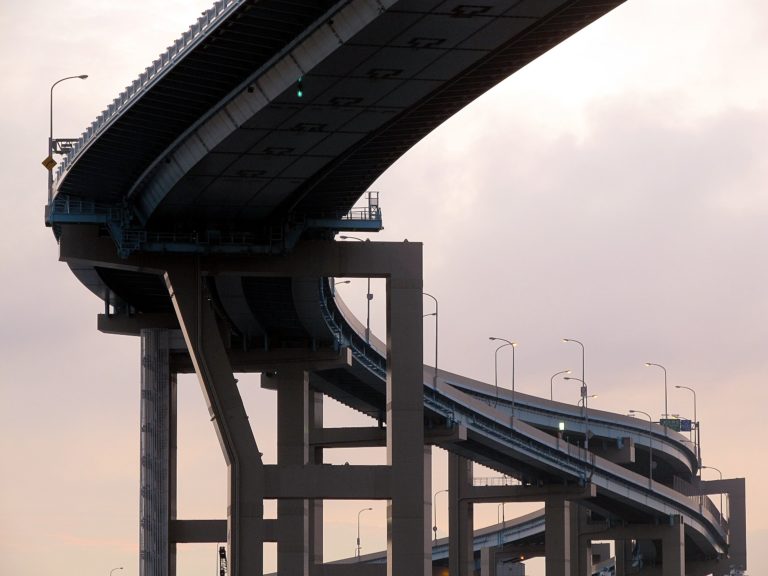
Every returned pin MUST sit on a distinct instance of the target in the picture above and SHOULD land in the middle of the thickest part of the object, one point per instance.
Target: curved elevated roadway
(262, 127)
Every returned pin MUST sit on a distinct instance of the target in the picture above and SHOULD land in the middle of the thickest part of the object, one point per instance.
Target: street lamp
(50, 134)
(336, 283)
(585, 406)
(368, 296)
(650, 445)
(581, 400)
(358, 532)
(552, 379)
(696, 423)
(113, 569)
(434, 510)
(583, 377)
(502, 506)
(513, 345)
(666, 410)
(721, 477)
(437, 332)
(496, 371)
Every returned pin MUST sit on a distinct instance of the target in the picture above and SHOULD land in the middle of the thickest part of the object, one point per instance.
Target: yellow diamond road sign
(49, 163)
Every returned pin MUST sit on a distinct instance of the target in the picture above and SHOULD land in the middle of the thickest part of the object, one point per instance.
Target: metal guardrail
(495, 481)
(199, 30)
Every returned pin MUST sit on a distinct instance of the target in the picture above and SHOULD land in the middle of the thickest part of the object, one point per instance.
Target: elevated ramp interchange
(202, 207)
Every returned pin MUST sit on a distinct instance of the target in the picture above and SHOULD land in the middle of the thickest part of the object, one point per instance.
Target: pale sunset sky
(614, 191)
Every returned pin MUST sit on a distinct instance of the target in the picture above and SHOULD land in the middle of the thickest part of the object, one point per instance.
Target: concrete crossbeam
(203, 531)
(353, 437)
(360, 482)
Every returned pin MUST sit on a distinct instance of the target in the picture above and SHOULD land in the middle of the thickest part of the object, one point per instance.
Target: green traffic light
(299, 89)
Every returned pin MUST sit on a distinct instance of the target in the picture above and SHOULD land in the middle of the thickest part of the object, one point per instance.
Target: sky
(614, 191)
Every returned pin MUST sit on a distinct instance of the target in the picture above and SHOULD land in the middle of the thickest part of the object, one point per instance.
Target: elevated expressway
(205, 200)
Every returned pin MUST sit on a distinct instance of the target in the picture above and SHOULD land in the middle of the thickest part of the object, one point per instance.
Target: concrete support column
(557, 536)
(199, 326)
(408, 542)
(581, 544)
(461, 559)
(157, 507)
(673, 548)
(488, 561)
(292, 449)
(737, 521)
(623, 551)
(314, 420)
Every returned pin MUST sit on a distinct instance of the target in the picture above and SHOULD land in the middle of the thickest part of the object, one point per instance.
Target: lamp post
(434, 510)
(496, 371)
(513, 345)
(113, 569)
(585, 406)
(581, 400)
(50, 133)
(368, 296)
(583, 377)
(502, 506)
(437, 332)
(358, 532)
(552, 379)
(695, 423)
(650, 445)
(336, 283)
(666, 409)
(721, 477)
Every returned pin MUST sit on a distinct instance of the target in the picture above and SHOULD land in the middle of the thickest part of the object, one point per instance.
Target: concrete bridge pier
(673, 548)
(623, 554)
(245, 470)
(461, 558)
(157, 499)
(558, 536)
(581, 544)
(295, 532)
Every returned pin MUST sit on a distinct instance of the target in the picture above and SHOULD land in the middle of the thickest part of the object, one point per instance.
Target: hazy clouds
(613, 191)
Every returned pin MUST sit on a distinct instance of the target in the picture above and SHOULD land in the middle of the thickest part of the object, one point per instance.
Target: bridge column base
(623, 551)
(199, 326)
(158, 456)
(488, 561)
(673, 548)
(581, 543)
(293, 448)
(461, 559)
(557, 539)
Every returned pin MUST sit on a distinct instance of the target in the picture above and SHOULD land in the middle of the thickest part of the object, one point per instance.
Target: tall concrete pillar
(292, 449)
(408, 541)
(461, 559)
(245, 471)
(314, 421)
(157, 507)
(557, 536)
(581, 544)
(673, 548)
(488, 561)
(623, 551)
(737, 521)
